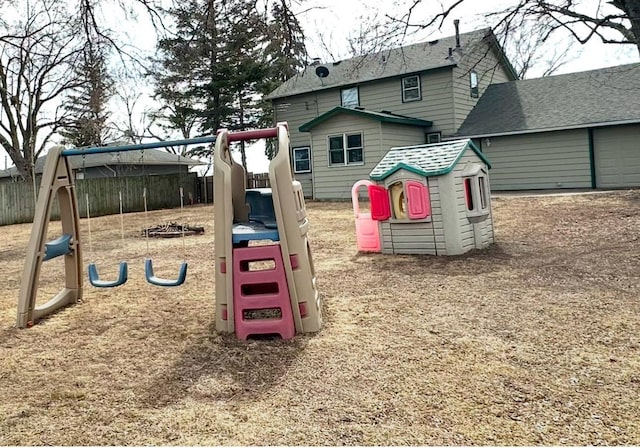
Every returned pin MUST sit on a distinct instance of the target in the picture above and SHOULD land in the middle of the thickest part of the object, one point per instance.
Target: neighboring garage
(580, 130)
(617, 156)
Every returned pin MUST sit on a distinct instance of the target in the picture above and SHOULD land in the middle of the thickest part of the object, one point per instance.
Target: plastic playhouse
(426, 199)
(265, 280)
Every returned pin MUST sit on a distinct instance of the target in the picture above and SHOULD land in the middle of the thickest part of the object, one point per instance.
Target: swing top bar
(231, 136)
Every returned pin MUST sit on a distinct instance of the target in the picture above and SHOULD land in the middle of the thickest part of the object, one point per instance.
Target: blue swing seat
(148, 270)
(94, 278)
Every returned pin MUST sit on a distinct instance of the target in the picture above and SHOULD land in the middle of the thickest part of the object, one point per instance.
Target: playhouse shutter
(418, 203)
(380, 207)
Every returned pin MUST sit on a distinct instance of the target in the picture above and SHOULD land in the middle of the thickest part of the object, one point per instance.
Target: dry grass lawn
(533, 341)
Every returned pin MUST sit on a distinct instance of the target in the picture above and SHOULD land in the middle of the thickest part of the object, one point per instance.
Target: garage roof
(583, 99)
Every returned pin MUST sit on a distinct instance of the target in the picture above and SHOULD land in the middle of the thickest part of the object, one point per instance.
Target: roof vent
(316, 61)
(456, 23)
(434, 42)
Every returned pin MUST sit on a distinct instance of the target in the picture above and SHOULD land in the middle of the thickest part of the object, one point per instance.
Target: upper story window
(350, 97)
(411, 88)
(346, 149)
(473, 84)
(302, 160)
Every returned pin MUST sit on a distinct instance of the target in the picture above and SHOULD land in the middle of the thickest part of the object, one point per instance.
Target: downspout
(592, 159)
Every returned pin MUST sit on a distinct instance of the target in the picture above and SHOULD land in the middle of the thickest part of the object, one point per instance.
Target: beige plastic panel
(57, 179)
(292, 222)
(228, 196)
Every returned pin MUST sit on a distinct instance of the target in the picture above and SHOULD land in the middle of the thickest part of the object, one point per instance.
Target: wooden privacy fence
(17, 199)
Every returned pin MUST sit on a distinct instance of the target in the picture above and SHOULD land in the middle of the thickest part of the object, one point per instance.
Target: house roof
(386, 64)
(583, 99)
(383, 116)
(136, 157)
(426, 160)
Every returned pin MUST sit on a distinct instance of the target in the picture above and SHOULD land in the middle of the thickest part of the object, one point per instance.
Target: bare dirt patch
(532, 341)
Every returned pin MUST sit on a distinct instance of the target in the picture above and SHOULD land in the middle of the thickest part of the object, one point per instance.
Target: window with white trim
(411, 90)
(350, 97)
(346, 149)
(434, 137)
(473, 84)
(302, 159)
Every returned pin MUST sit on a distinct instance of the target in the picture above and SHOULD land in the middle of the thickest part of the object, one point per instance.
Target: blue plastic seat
(151, 278)
(94, 278)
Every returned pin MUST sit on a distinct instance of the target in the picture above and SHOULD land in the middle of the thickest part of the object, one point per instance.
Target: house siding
(296, 111)
(398, 135)
(547, 160)
(617, 158)
(335, 182)
(435, 105)
(490, 71)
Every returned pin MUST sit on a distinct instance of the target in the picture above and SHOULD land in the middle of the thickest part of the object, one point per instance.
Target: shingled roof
(583, 99)
(385, 64)
(426, 160)
(137, 157)
(386, 117)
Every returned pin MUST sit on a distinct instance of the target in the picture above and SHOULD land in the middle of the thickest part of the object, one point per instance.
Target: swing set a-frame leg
(57, 181)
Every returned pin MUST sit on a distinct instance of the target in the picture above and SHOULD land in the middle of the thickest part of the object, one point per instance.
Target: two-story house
(344, 116)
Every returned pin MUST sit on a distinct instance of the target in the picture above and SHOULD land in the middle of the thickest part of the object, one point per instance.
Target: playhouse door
(367, 230)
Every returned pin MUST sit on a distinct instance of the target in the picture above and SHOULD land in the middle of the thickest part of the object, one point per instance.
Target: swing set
(58, 182)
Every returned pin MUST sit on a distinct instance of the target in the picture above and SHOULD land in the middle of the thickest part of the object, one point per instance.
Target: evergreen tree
(285, 54)
(86, 104)
(222, 59)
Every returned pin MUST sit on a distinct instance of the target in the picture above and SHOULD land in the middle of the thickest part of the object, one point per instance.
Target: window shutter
(380, 207)
(418, 202)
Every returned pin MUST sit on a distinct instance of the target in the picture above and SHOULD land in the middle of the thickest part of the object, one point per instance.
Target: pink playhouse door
(367, 231)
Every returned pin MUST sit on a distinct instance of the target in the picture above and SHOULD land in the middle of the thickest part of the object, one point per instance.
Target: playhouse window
(350, 97)
(346, 149)
(468, 193)
(411, 89)
(476, 193)
(302, 160)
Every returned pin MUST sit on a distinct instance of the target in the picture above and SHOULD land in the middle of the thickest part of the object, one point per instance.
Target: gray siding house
(579, 130)
(345, 115)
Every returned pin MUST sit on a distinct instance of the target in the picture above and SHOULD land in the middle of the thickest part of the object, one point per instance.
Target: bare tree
(613, 22)
(41, 44)
(37, 55)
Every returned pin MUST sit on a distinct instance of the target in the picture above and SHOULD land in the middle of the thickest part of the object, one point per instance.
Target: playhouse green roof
(426, 160)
